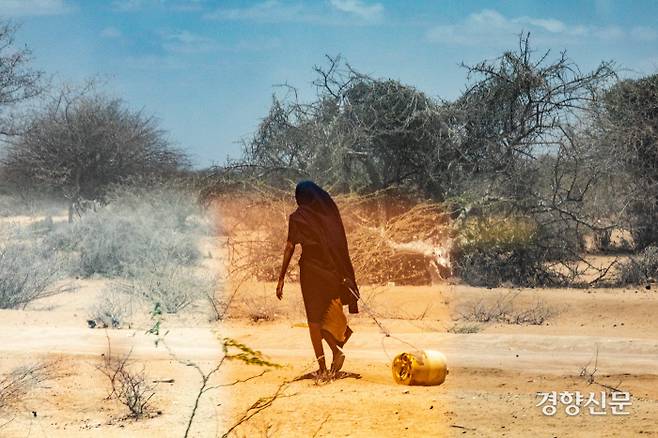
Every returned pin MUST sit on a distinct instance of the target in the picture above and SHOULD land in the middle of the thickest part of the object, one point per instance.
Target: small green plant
(234, 350)
(491, 251)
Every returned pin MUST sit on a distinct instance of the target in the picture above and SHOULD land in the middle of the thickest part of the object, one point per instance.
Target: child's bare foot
(321, 374)
(338, 361)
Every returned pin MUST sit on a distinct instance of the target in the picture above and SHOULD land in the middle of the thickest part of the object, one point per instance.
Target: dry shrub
(140, 228)
(113, 307)
(27, 272)
(259, 310)
(468, 328)
(404, 248)
(641, 268)
(173, 287)
(490, 251)
(392, 238)
(502, 309)
(129, 384)
(376, 262)
(255, 225)
(16, 384)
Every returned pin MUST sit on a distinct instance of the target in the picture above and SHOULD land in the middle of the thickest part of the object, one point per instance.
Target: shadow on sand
(327, 377)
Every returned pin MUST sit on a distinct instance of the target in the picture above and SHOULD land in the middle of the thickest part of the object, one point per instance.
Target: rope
(384, 330)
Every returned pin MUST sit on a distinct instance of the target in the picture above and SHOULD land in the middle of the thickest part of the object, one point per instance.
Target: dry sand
(490, 391)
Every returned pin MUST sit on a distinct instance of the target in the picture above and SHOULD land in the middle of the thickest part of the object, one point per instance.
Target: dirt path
(495, 374)
(77, 341)
(521, 352)
(490, 391)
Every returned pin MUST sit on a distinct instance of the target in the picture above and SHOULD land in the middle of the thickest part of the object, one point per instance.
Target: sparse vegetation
(127, 237)
(113, 308)
(641, 268)
(502, 309)
(259, 310)
(465, 328)
(128, 381)
(119, 243)
(146, 239)
(16, 385)
(26, 273)
(173, 287)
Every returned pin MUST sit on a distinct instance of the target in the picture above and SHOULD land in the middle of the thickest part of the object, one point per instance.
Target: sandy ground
(490, 391)
(494, 374)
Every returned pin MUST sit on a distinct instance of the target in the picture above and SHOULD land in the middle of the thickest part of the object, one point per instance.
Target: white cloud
(332, 12)
(155, 62)
(360, 9)
(185, 43)
(139, 5)
(111, 32)
(608, 33)
(188, 42)
(491, 28)
(132, 5)
(18, 8)
(267, 11)
(551, 25)
(644, 33)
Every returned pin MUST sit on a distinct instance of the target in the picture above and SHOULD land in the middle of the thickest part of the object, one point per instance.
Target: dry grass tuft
(502, 309)
(16, 385)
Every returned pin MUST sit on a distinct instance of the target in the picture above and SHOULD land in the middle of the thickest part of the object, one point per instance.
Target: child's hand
(279, 289)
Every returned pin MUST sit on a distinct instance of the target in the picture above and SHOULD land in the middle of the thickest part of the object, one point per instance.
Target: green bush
(492, 251)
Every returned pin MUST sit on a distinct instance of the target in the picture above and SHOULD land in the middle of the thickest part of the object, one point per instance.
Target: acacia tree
(628, 126)
(18, 82)
(83, 142)
(518, 142)
(359, 134)
(525, 135)
(366, 134)
(520, 107)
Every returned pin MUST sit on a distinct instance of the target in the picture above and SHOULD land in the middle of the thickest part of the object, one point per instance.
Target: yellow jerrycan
(425, 367)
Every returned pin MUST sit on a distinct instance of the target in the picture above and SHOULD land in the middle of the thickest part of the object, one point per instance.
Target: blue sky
(206, 69)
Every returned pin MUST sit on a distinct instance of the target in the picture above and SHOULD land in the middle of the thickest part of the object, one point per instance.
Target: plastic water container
(426, 368)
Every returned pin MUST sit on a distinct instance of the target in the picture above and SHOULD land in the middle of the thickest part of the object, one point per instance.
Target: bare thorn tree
(18, 82)
(82, 142)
